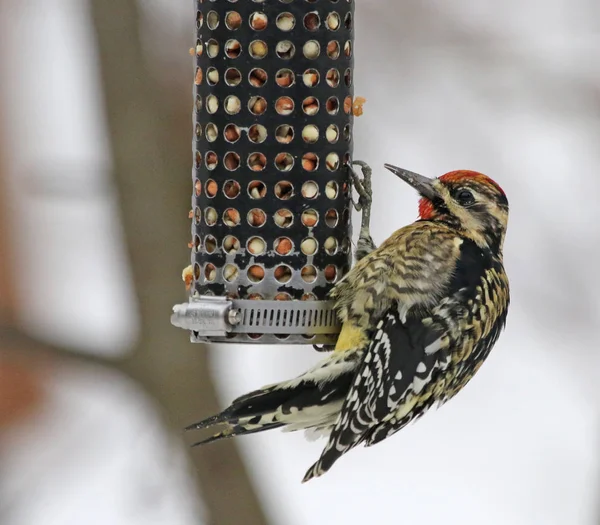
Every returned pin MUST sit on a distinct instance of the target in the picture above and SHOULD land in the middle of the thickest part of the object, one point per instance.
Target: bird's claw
(362, 186)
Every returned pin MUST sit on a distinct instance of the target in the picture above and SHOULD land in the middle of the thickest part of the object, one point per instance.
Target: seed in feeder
(230, 272)
(199, 49)
(346, 161)
(231, 189)
(348, 77)
(310, 106)
(197, 214)
(330, 272)
(311, 49)
(257, 77)
(256, 217)
(257, 133)
(283, 273)
(332, 105)
(231, 217)
(282, 296)
(308, 274)
(196, 272)
(310, 161)
(284, 105)
(212, 20)
(312, 21)
(210, 244)
(310, 218)
(347, 132)
(331, 189)
(348, 105)
(210, 272)
(309, 246)
(284, 134)
(231, 133)
(199, 19)
(210, 216)
(330, 245)
(197, 187)
(332, 161)
(283, 218)
(211, 188)
(212, 104)
(257, 105)
(258, 21)
(283, 245)
(309, 297)
(284, 161)
(348, 49)
(255, 297)
(231, 244)
(232, 105)
(233, 77)
(212, 48)
(198, 78)
(285, 49)
(310, 77)
(231, 161)
(284, 78)
(198, 104)
(333, 78)
(198, 159)
(212, 76)
(198, 131)
(211, 160)
(211, 132)
(348, 21)
(333, 49)
(257, 189)
(257, 161)
(233, 48)
(331, 218)
(357, 106)
(256, 273)
(284, 190)
(332, 133)
(310, 133)
(256, 245)
(233, 20)
(333, 21)
(258, 49)
(310, 189)
(286, 21)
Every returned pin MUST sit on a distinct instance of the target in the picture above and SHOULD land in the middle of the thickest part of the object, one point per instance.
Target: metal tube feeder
(271, 181)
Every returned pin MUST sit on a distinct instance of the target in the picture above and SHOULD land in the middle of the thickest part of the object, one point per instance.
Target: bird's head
(466, 200)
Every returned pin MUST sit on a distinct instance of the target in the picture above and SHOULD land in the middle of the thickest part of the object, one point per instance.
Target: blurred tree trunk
(152, 162)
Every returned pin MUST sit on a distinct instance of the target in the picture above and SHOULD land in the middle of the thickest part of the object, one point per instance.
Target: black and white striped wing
(397, 365)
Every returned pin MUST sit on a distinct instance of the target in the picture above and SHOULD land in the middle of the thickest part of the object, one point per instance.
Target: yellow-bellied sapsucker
(420, 314)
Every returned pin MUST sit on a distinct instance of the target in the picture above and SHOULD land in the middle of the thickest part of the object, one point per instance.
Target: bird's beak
(422, 184)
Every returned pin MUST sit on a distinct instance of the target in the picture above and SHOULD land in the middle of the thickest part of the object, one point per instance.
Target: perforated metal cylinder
(273, 136)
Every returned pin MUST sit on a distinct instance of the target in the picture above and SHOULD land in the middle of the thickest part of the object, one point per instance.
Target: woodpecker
(420, 314)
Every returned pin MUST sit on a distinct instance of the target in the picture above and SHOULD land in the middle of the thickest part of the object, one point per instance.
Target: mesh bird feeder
(271, 185)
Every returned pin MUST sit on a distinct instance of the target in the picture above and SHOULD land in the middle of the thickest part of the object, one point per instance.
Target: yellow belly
(351, 337)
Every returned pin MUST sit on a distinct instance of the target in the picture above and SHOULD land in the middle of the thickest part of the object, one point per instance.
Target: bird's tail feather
(312, 400)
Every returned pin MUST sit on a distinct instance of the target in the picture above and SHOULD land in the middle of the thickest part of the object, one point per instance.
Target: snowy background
(511, 89)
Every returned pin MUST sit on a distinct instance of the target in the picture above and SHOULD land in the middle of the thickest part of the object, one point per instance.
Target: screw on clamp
(207, 315)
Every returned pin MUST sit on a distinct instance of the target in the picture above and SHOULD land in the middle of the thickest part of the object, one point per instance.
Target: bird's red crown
(426, 209)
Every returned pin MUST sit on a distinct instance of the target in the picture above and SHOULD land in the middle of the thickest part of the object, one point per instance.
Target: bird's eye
(465, 197)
